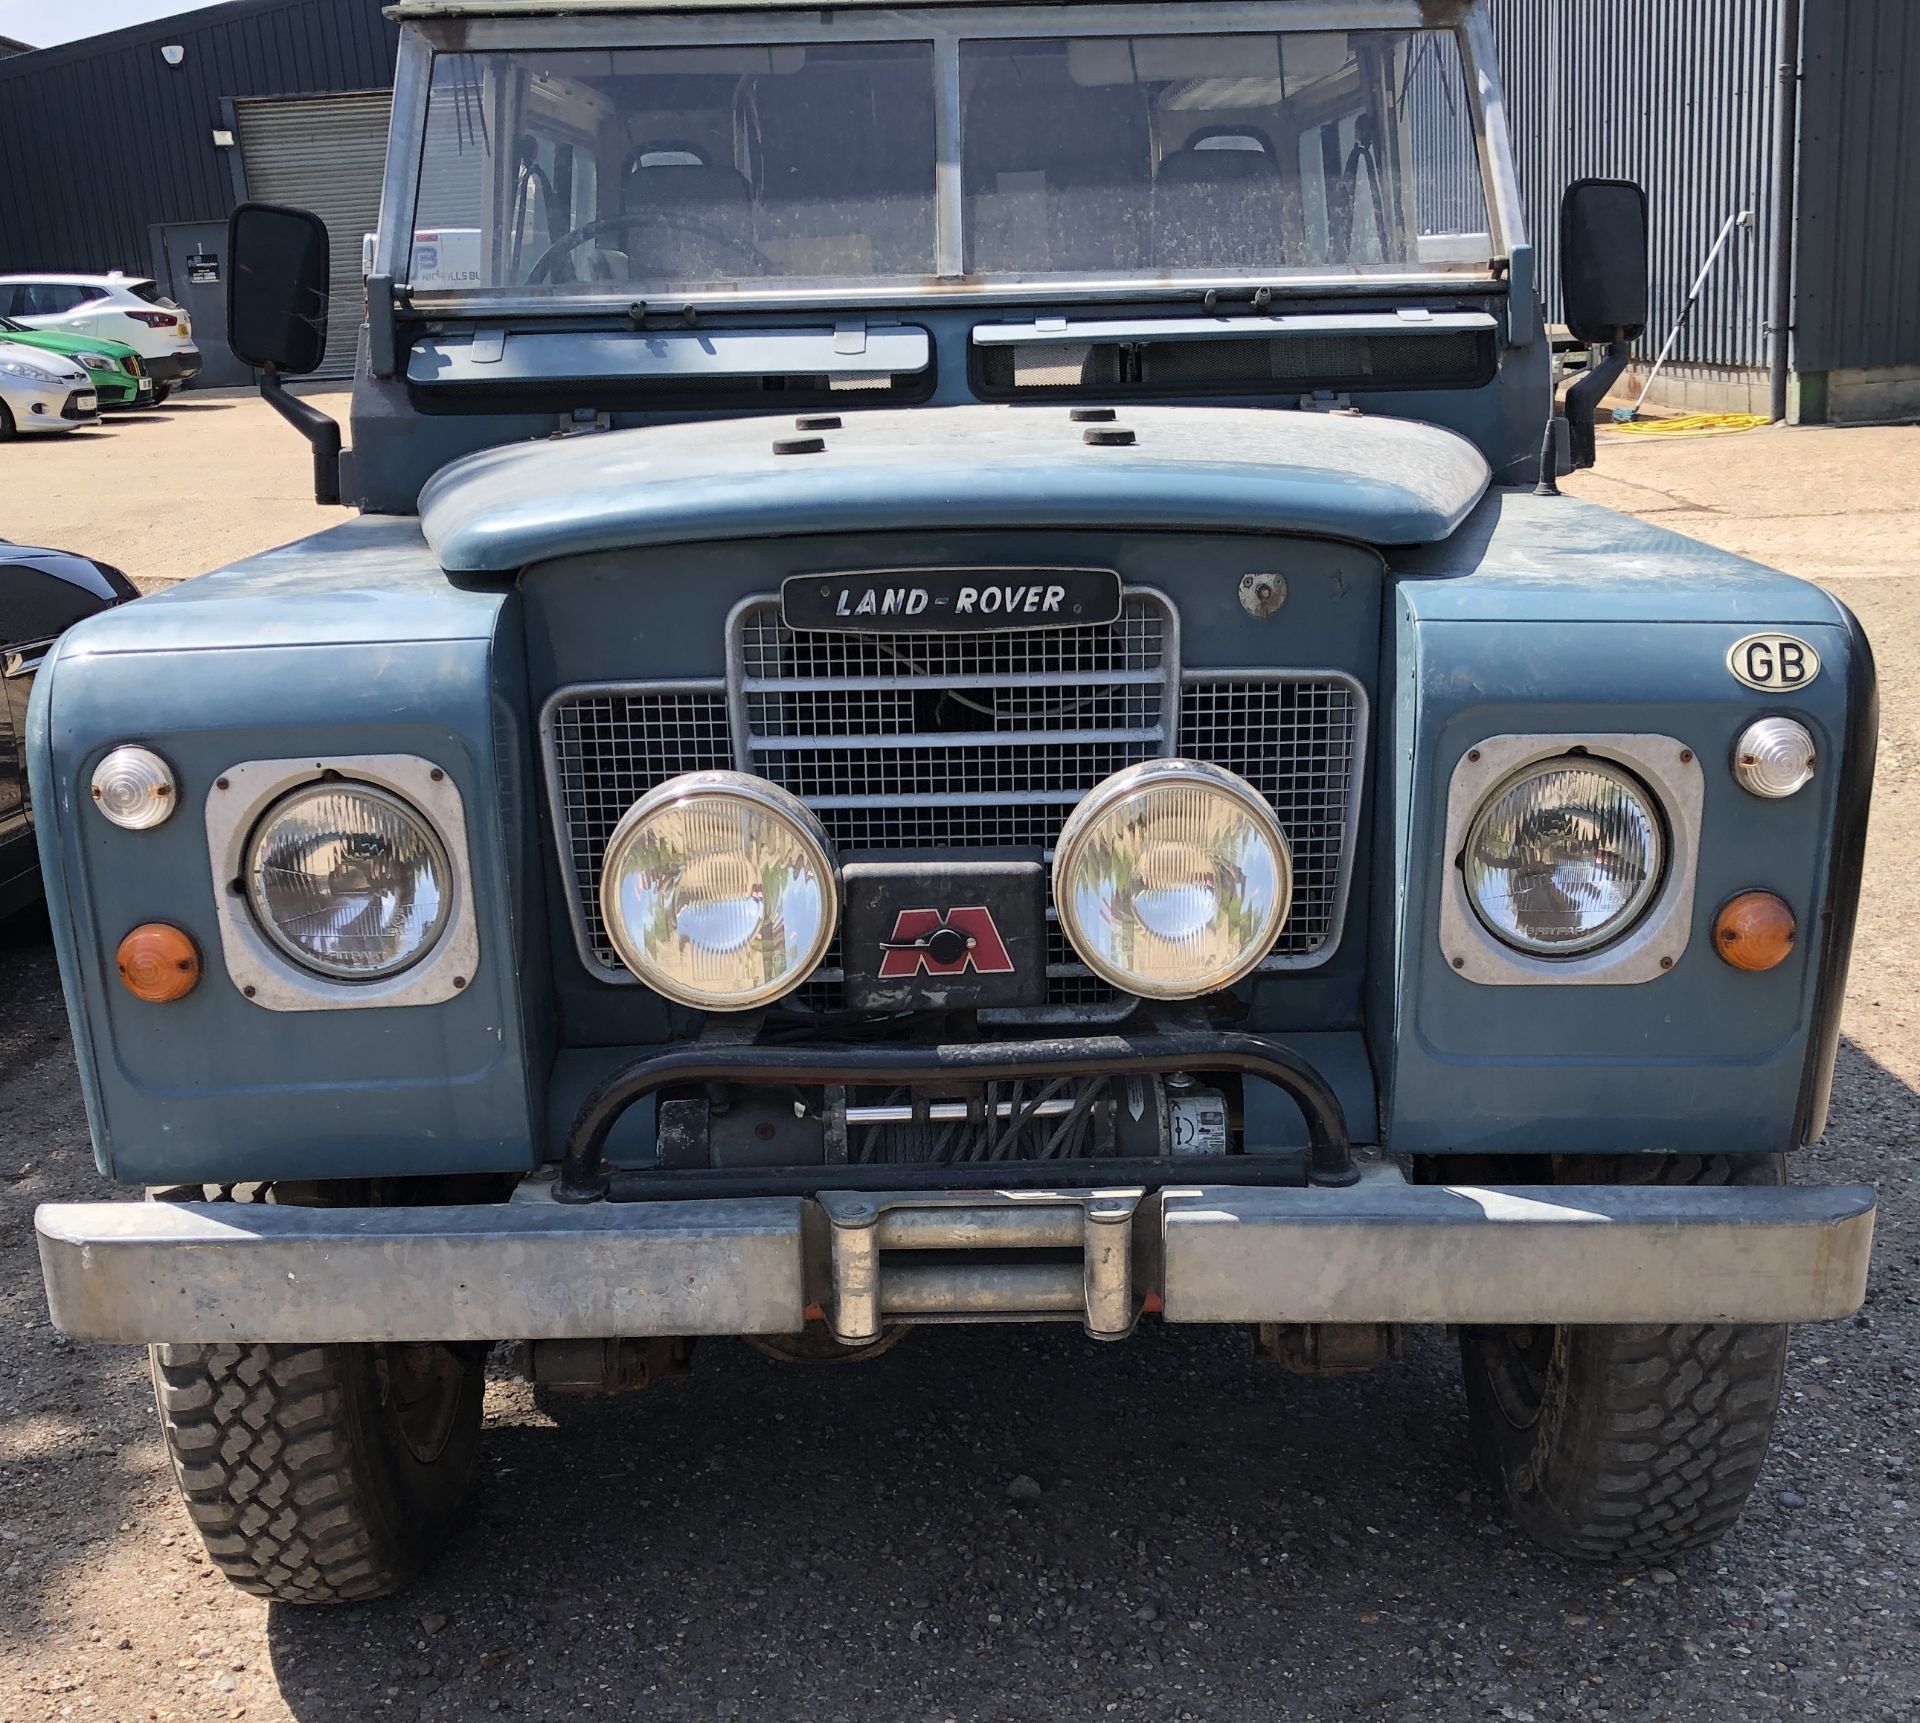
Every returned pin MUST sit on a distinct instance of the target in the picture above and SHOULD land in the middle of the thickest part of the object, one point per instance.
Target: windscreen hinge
(583, 420)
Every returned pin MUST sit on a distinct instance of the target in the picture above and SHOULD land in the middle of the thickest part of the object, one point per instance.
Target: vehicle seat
(693, 196)
(1220, 209)
(843, 170)
(1056, 177)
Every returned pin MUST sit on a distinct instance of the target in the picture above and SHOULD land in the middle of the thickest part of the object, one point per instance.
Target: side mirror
(1603, 291)
(277, 288)
(1603, 260)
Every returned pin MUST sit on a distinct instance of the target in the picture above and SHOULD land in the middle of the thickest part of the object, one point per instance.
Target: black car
(42, 594)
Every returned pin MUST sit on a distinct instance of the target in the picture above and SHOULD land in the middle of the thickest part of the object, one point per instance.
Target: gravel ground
(1013, 1524)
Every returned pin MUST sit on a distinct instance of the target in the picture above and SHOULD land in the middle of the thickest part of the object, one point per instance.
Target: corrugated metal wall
(1858, 268)
(1677, 94)
(101, 139)
(326, 154)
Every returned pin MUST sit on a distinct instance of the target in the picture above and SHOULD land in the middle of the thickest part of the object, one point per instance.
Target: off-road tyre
(321, 1474)
(1628, 1444)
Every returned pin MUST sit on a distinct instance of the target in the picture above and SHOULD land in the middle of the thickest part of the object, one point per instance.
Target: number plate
(951, 600)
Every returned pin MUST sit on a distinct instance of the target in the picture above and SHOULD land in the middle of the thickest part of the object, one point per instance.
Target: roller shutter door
(326, 154)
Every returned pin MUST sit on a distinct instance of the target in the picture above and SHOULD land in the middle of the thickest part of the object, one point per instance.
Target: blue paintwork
(402, 436)
(1387, 481)
(1546, 616)
(1536, 614)
(345, 643)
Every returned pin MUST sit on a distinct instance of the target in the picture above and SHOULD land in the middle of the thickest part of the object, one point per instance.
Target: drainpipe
(1786, 127)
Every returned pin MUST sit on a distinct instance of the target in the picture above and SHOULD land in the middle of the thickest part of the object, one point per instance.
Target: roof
(1387, 481)
(114, 278)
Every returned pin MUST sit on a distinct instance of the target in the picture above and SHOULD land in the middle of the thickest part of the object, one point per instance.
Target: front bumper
(118, 391)
(1380, 1250)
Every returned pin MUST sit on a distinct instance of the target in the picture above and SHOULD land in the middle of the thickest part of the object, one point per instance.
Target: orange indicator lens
(159, 963)
(1754, 931)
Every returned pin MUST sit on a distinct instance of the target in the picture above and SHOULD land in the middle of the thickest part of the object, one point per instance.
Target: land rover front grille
(922, 741)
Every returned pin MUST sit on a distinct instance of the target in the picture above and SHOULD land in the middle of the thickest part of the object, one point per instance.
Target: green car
(118, 376)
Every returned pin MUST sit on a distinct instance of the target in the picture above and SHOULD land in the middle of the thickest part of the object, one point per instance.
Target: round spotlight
(718, 890)
(135, 788)
(1773, 758)
(348, 880)
(1172, 879)
(1565, 856)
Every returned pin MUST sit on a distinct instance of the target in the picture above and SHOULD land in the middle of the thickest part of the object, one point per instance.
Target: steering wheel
(570, 242)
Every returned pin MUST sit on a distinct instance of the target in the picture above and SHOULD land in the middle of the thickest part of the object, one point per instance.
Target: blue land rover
(961, 693)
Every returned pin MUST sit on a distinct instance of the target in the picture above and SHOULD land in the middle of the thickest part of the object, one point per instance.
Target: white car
(125, 308)
(42, 391)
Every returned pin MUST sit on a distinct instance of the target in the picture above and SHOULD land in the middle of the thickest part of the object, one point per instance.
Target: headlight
(98, 361)
(36, 375)
(348, 880)
(1564, 856)
(1172, 879)
(718, 890)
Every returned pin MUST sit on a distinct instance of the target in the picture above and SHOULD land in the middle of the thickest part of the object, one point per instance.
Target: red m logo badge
(924, 940)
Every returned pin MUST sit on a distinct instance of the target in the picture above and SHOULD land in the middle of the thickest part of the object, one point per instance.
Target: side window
(9, 301)
(50, 299)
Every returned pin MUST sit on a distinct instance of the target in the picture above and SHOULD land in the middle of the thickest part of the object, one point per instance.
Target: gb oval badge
(1773, 663)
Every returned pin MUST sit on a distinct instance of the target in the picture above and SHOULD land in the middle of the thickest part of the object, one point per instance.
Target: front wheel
(160, 393)
(321, 1474)
(1628, 1443)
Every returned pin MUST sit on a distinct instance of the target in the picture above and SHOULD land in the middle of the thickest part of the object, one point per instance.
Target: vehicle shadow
(56, 439)
(1197, 1535)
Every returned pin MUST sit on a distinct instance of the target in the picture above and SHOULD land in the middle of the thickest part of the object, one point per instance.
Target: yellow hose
(1694, 424)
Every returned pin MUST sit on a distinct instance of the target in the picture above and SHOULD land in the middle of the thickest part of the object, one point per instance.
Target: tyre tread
(265, 1447)
(1650, 1438)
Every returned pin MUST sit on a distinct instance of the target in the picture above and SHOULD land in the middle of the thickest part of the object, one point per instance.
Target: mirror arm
(1585, 394)
(323, 433)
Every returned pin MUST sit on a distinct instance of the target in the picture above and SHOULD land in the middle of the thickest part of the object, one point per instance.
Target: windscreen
(650, 168)
(1199, 154)
(641, 171)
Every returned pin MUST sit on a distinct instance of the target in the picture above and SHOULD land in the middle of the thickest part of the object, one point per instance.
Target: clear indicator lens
(1172, 879)
(1565, 857)
(349, 880)
(1774, 758)
(719, 898)
(134, 788)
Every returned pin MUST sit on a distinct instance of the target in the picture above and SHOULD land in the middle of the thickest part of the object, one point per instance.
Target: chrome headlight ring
(1172, 879)
(719, 890)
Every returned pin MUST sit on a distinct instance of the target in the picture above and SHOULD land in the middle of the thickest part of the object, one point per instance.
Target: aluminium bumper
(1379, 1251)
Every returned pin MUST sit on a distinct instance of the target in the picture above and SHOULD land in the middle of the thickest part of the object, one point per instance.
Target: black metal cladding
(1857, 268)
(1679, 95)
(101, 139)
